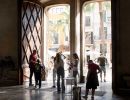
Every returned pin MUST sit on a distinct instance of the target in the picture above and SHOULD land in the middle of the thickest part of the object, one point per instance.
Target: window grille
(31, 24)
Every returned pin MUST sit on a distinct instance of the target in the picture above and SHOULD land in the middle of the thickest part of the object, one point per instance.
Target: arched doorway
(57, 35)
(96, 20)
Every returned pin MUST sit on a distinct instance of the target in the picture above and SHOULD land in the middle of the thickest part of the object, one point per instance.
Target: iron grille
(31, 30)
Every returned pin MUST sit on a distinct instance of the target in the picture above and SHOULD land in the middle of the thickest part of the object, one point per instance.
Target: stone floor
(24, 92)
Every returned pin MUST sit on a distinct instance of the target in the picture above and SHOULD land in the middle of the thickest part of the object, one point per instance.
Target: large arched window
(96, 31)
(31, 33)
(57, 34)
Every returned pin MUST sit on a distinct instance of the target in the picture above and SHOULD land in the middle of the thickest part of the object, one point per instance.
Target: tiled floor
(24, 92)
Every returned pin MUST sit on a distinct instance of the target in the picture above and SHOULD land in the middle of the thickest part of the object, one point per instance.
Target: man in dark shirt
(102, 63)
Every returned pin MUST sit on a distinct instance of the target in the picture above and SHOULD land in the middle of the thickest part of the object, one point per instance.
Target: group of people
(35, 68)
(60, 72)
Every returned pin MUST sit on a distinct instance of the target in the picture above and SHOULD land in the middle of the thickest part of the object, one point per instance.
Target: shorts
(103, 69)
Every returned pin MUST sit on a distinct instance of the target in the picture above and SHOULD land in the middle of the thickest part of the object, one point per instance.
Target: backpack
(37, 67)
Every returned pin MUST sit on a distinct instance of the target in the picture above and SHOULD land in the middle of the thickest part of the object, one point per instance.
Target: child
(38, 75)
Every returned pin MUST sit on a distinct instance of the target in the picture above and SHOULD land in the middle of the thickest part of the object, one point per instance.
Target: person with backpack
(38, 73)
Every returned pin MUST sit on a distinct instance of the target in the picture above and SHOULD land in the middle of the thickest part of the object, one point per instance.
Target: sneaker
(58, 91)
(30, 84)
(54, 86)
(85, 96)
(104, 80)
(92, 97)
(35, 86)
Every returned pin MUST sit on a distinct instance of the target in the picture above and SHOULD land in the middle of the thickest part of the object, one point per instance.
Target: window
(31, 30)
(105, 32)
(57, 34)
(103, 49)
(87, 21)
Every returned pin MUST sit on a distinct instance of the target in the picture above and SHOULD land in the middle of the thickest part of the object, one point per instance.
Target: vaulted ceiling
(44, 2)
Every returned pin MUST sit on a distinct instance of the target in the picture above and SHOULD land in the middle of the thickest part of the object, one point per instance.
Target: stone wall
(121, 47)
(8, 42)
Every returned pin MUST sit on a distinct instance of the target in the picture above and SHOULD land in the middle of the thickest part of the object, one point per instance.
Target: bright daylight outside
(97, 33)
(57, 38)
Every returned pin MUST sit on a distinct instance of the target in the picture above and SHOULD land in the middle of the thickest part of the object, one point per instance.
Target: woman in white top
(59, 65)
(75, 62)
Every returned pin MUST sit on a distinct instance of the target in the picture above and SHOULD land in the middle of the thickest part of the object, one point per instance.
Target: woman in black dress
(92, 77)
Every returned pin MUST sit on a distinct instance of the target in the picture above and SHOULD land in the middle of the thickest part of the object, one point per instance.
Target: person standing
(92, 78)
(54, 72)
(38, 75)
(102, 63)
(59, 65)
(75, 61)
(32, 62)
